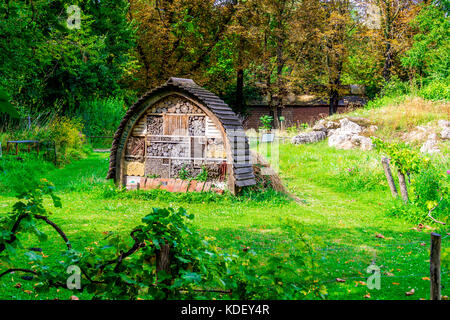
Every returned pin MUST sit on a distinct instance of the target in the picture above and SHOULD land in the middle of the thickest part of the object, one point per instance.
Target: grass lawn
(345, 202)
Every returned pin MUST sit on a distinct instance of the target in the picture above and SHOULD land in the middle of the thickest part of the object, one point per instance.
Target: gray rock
(309, 137)
(349, 126)
(431, 145)
(444, 124)
(362, 142)
(445, 133)
(320, 126)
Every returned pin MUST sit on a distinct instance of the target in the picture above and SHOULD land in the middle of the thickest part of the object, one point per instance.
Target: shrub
(436, 90)
(120, 269)
(101, 117)
(266, 122)
(429, 189)
(68, 138)
(395, 88)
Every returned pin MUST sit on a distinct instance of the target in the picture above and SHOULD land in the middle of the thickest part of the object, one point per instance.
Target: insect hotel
(180, 137)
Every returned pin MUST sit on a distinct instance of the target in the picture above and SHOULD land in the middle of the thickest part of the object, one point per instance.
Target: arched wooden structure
(181, 126)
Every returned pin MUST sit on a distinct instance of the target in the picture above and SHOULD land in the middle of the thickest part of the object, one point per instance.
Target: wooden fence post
(435, 267)
(403, 188)
(390, 179)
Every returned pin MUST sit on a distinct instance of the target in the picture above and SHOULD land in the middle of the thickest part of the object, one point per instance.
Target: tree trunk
(334, 101)
(403, 188)
(387, 62)
(390, 179)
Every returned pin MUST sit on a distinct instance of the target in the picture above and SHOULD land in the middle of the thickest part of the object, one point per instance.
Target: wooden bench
(28, 143)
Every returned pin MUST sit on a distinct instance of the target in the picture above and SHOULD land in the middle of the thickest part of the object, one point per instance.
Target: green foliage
(406, 159)
(48, 67)
(67, 135)
(429, 190)
(116, 269)
(292, 130)
(101, 117)
(429, 187)
(18, 175)
(429, 55)
(436, 90)
(358, 178)
(266, 122)
(24, 219)
(252, 198)
(184, 173)
(395, 88)
(6, 106)
(203, 175)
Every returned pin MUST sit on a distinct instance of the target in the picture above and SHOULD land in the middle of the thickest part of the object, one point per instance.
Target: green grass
(342, 211)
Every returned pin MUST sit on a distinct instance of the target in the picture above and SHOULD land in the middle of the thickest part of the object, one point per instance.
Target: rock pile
(445, 126)
(345, 134)
(309, 137)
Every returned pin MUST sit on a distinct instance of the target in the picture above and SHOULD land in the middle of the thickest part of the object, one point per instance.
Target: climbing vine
(162, 258)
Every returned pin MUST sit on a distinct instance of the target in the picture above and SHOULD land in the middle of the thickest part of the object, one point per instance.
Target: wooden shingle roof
(240, 150)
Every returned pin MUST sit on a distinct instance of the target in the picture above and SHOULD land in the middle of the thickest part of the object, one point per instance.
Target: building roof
(243, 169)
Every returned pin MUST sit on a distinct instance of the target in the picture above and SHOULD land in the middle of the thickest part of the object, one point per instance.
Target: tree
(48, 67)
(429, 55)
(392, 33)
(178, 38)
(336, 34)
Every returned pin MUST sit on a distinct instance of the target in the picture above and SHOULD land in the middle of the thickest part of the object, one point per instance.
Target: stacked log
(197, 126)
(154, 125)
(161, 149)
(176, 105)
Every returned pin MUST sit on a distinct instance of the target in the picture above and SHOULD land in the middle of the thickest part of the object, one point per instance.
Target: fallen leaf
(367, 296)
(74, 298)
(379, 235)
(395, 283)
(27, 291)
(410, 292)
(340, 280)
(426, 278)
(18, 285)
(389, 274)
